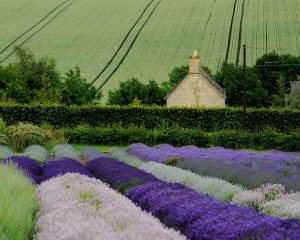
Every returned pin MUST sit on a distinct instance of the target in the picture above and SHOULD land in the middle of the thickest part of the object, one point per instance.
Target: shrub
(28, 166)
(25, 134)
(77, 207)
(18, 200)
(65, 151)
(181, 137)
(3, 132)
(37, 152)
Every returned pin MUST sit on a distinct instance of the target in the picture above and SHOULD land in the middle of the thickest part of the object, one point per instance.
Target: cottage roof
(204, 75)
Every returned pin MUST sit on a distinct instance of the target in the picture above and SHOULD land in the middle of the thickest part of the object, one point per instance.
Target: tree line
(37, 80)
(269, 83)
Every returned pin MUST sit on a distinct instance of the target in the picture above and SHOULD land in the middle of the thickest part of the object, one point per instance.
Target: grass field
(113, 40)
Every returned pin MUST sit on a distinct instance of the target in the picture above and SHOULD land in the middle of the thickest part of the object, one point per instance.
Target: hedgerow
(152, 117)
(180, 137)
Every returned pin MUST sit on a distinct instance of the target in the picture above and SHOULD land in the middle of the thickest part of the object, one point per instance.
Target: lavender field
(250, 169)
(159, 192)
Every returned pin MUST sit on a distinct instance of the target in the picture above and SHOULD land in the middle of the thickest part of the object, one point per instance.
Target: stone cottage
(197, 89)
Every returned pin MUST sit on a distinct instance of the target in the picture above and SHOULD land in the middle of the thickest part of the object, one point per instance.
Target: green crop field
(113, 40)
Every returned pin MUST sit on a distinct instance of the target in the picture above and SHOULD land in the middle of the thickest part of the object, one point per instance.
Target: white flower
(271, 191)
(251, 198)
(216, 187)
(77, 207)
(287, 206)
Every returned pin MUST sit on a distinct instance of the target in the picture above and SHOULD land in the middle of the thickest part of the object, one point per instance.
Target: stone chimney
(195, 63)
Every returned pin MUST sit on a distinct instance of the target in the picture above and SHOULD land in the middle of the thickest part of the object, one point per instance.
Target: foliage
(3, 132)
(175, 77)
(230, 77)
(132, 90)
(18, 201)
(152, 117)
(276, 72)
(76, 90)
(22, 135)
(30, 80)
(179, 137)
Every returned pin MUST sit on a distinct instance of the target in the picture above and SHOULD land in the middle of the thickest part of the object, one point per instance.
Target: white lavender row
(77, 207)
(65, 151)
(37, 152)
(250, 169)
(272, 200)
(5, 152)
(285, 206)
(214, 186)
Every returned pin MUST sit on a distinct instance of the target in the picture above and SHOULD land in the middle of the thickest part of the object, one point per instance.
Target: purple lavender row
(60, 167)
(28, 166)
(257, 168)
(193, 152)
(189, 211)
(199, 216)
(118, 175)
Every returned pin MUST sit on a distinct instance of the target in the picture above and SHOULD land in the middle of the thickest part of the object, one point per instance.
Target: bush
(25, 134)
(18, 204)
(3, 129)
(61, 151)
(37, 152)
(151, 117)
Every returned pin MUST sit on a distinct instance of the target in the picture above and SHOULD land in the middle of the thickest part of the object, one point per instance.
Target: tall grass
(18, 204)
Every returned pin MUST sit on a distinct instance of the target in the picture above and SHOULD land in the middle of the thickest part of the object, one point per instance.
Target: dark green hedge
(181, 137)
(152, 117)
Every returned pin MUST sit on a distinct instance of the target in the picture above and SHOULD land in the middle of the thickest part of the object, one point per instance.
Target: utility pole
(245, 87)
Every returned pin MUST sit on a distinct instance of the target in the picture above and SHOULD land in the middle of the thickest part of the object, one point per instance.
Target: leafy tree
(76, 91)
(11, 86)
(132, 90)
(127, 92)
(36, 74)
(178, 74)
(230, 77)
(153, 94)
(276, 72)
(30, 80)
(25, 79)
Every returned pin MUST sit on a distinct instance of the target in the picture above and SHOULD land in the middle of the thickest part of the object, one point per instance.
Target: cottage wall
(195, 91)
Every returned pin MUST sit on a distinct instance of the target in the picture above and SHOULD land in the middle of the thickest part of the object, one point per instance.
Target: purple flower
(61, 167)
(200, 216)
(118, 175)
(28, 166)
(256, 168)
